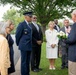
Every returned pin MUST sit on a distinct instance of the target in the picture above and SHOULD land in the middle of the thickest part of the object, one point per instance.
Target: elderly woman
(4, 48)
(11, 42)
(51, 44)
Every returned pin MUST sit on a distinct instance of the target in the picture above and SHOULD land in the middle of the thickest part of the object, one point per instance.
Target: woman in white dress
(51, 44)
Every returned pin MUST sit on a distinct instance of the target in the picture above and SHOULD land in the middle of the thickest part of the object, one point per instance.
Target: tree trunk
(43, 29)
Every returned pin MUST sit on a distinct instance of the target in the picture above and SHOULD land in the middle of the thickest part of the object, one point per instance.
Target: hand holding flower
(61, 35)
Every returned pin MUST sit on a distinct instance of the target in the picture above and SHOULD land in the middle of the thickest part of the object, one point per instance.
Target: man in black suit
(64, 46)
(37, 39)
(72, 46)
(24, 41)
(57, 27)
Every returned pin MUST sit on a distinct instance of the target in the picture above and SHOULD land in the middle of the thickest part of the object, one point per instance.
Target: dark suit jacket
(62, 43)
(56, 27)
(72, 43)
(36, 36)
(24, 37)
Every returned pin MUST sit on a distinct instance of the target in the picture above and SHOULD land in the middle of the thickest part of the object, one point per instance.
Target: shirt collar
(26, 22)
(34, 22)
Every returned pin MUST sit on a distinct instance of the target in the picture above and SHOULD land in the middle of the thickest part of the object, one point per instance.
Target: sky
(3, 9)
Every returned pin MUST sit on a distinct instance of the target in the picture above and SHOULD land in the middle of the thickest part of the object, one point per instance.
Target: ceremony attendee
(37, 38)
(11, 42)
(57, 27)
(4, 49)
(64, 46)
(51, 45)
(24, 41)
(72, 46)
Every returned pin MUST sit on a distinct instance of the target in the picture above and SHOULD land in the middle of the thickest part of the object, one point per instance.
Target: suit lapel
(63, 29)
(35, 28)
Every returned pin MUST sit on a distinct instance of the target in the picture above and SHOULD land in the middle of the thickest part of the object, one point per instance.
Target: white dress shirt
(35, 24)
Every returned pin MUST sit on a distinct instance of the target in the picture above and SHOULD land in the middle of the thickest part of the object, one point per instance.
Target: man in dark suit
(36, 44)
(64, 46)
(57, 27)
(72, 46)
(24, 41)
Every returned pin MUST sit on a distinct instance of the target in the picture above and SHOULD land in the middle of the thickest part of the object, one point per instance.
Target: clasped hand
(53, 45)
(39, 42)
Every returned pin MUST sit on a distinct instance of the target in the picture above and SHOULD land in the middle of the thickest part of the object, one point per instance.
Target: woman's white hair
(74, 12)
(3, 26)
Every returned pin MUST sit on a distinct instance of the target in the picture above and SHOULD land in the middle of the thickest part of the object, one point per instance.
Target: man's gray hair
(3, 26)
(74, 12)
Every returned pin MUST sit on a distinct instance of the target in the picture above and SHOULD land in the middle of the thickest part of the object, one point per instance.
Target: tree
(13, 15)
(45, 10)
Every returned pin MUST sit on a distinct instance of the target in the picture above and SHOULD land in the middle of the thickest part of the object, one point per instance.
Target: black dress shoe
(35, 70)
(62, 67)
(66, 66)
(40, 69)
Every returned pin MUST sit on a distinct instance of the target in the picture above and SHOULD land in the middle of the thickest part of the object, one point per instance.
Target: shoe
(53, 68)
(40, 69)
(66, 66)
(50, 68)
(62, 67)
(35, 70)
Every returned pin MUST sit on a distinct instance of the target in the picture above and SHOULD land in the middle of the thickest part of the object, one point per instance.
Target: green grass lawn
(44, 64)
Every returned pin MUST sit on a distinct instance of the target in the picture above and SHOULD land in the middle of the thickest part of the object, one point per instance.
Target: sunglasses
(34, 17)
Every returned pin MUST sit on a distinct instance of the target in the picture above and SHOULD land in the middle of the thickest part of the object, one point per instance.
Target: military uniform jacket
(24, 36)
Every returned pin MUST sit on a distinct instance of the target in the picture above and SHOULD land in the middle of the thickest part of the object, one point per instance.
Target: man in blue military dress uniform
(24, 41)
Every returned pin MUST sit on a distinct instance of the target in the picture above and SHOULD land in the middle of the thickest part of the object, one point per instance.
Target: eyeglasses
(34, 17)
(66, 22)
(11, 24)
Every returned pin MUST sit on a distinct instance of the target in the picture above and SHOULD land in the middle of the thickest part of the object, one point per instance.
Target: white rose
(61, 34)
(58, 33)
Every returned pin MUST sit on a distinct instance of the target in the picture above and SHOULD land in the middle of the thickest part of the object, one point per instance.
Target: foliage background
(45, 10)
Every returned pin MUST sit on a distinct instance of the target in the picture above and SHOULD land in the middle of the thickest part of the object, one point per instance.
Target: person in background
(64, 46)
(11, 42)
(4, 48)
(71, 40)
(24, 41)
(51, 45)
(56, 26)
(37, 39)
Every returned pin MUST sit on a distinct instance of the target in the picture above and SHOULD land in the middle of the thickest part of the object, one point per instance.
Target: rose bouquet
(62, 35)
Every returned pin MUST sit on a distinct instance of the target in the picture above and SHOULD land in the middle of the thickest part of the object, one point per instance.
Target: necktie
(67, 27)
(29, 25)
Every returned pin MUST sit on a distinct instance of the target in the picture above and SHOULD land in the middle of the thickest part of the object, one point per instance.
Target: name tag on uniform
(25, 31)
